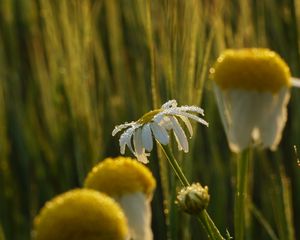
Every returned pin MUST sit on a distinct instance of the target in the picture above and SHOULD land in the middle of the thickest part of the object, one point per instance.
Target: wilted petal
(180, 135)
(147, 140)
(160, 133)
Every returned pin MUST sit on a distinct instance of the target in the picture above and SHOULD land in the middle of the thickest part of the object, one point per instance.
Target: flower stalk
(240, 208)
(175, 166)
(203, 217)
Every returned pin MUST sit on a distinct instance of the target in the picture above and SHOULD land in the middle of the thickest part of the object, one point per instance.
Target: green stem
(203, 217)
(241, 195)
(175, 166)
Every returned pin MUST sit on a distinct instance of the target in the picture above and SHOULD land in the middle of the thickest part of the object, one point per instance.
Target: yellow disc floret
(81, 214)
(148, 116)
(120, 176)
(251, 69)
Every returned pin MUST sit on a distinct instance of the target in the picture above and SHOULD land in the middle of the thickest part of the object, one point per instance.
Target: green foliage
(71, 70)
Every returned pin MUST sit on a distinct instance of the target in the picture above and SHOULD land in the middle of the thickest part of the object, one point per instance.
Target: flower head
(193, 199)
(251, 69)
(131, 184)
(119, 176)
(252, 89)
(81, 214)
(156, 124)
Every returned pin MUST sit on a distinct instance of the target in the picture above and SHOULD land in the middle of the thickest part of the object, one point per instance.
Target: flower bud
(193, 199)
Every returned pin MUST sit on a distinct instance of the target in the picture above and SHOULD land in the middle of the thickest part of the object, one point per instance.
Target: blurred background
(72, 70)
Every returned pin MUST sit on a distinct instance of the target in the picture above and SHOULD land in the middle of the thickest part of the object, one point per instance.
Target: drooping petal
(188, 124)
(160, 133)
(165, 123)
(137, 141)
(125, 139)
(180, 135)
(274, 118)
(143, 157)
(238, 116)
(147, 140)
(138, 146)
(121, 127)
(158, 118)
(122, 143)
(296, 82)
(137, 209)
(168, 104)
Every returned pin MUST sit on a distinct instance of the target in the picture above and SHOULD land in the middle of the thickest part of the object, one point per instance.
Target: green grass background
(72, 70)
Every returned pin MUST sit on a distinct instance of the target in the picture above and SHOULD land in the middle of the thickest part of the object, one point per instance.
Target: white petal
(192, 109)
(166, 123)
(274, 118)
(180, 135)
(125, 139)
(296, 82)
(194, 117)
(137, 209)
(137, 141)
(121, 127)
(188, 124)
(160, 133)
(142, 157)
(177, 112)
(138, 146)
(147, 140)
(251, 115)
(122, 146)
(158, 117)
(168, 104)
(236, 117)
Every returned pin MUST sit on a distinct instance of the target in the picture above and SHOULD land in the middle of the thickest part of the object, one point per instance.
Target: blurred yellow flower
(131, 184)
(252, 88)
(251, 69)
(81, 214)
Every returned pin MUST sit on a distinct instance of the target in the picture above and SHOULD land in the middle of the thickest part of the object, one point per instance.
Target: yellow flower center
(120, 176)
(148, 116)
(81, 214)
(251, 69)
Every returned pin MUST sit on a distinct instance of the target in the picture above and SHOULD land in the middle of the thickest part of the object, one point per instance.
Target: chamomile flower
(131, 184)
(157, 124)
(252, 88)
(81, 214)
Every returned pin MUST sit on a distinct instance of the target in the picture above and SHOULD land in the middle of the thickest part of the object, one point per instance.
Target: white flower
(252, 88)
(157, 124)
(131, 184)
